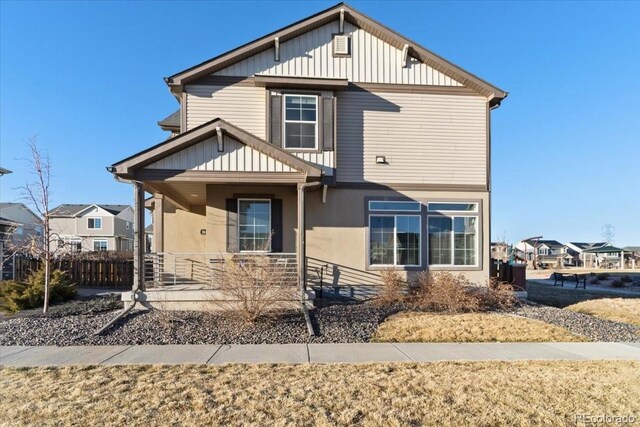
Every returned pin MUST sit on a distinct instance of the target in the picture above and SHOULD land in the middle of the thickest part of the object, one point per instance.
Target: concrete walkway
(311, 353)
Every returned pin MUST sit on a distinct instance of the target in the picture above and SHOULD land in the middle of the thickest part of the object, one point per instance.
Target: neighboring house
(500, 251)
(548, 253)
(28, 227)
(372, 145)
(576, 249)
(148, 233)
(93, 227)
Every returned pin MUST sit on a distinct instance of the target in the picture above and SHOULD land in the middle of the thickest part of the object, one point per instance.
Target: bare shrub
(497, 295)
(251, 286)
(445, 292)
(393, 287)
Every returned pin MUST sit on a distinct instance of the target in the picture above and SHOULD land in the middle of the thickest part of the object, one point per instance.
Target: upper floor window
(94, 223)
(301, 122)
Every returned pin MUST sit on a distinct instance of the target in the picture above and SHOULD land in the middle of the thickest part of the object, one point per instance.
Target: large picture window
(453, 234)
(300, 122)
(254, 225)
(394, 240)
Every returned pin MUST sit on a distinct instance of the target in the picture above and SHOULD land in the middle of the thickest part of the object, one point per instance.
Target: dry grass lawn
(443, 394)
(468, 327)
(625, 310)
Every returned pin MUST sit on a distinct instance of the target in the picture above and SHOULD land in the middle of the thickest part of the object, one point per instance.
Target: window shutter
(232, 226)
(328, 129)
(275, 128)
(276, 225)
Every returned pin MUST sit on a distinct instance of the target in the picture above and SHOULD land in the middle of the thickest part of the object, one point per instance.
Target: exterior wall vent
(340, 44)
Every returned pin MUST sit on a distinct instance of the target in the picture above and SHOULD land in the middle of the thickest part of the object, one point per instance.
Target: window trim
(477, 243)
(253, 199)
(395, 241)
(94, 222)
(394, 210)
(316, 147)
(93, 245)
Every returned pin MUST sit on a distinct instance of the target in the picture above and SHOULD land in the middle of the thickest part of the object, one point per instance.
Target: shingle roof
(550, 243)
(171, 121)
(70, 210)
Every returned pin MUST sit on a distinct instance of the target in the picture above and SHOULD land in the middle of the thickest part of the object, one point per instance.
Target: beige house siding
(243, 106)
(217, 215)
(236, 157)
(63, 226)
(425, 138)
(372, 60)
(337, 234)
(337, 231)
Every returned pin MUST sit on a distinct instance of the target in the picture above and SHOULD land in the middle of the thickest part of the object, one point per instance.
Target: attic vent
(340, 44)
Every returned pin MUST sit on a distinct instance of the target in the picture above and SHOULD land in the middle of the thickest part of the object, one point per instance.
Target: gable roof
(126, 166)
(6, 205)
(72, 210)
(178, 80)
(550, 243)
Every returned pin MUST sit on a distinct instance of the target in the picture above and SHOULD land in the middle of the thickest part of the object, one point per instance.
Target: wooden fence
(115, 273)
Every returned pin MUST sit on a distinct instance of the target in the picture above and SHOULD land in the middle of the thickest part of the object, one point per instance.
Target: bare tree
(37, 193)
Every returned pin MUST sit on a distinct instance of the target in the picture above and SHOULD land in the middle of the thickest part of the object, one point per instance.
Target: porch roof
(132, 166)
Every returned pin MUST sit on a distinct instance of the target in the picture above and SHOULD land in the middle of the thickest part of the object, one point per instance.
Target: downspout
(302, 252)
(136, 283)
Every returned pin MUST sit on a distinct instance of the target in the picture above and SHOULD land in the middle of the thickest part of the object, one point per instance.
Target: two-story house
(26, 225)
(92, 227)
(335, 139)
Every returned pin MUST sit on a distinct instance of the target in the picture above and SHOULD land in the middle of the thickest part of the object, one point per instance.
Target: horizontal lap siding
(311, 55)
(242, 106)
(426, 139)
(237, 157)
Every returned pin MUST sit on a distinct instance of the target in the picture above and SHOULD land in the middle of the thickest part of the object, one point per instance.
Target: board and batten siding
(425, 138)
(236, 157)
(372, 60)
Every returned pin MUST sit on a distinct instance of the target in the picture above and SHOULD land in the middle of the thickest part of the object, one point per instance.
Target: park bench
(561, 277)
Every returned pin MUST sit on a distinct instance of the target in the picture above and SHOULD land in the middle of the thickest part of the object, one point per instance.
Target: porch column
(158, 223)
(138, 235)
(301, 250)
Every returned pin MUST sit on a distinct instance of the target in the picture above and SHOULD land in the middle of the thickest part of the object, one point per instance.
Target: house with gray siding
(92, 227)
(334, 140)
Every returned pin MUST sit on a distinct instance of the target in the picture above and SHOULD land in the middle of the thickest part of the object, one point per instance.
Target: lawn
(446, 393)
(626, 310)
(468, 327)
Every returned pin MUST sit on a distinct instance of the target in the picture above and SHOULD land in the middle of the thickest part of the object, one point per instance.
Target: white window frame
(395, 242)
(419, 206)
(94, 223)
(270, 221)
(439, 213)
(93, 245)
(285, 121)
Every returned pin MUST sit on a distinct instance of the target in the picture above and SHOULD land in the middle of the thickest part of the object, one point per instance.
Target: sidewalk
(312, 353)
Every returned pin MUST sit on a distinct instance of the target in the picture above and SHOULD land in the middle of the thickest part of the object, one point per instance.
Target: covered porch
(219, 197)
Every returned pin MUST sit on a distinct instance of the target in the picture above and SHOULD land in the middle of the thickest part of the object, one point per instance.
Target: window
(254, 225)
(394, 240)
(100, 245)
(453, 238)
(128, 225)
(94, 223)
(394, 206)
(300, 121)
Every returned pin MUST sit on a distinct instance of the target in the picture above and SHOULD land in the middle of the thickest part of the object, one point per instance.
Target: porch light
(381, 160)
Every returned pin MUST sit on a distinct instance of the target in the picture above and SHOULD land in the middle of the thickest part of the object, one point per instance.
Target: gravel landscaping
(336, 323)
(594, 328)
(73, 323)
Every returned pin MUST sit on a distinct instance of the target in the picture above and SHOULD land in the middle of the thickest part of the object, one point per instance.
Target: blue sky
(87, 79)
